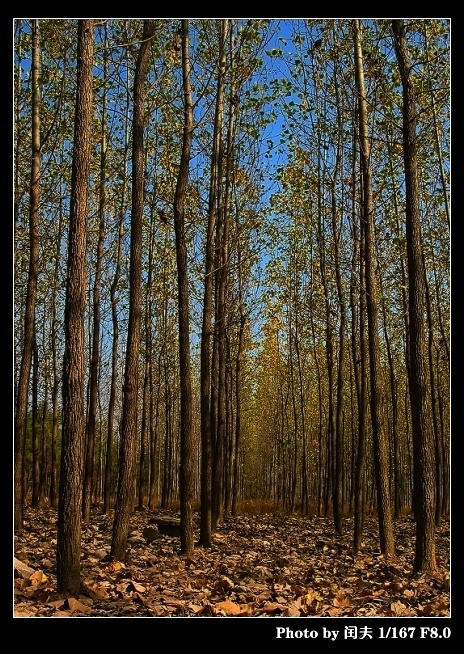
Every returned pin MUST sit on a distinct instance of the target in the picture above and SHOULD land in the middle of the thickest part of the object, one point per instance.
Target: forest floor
(258, 565)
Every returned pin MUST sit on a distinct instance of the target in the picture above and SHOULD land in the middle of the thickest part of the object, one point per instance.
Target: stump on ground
(167, 526)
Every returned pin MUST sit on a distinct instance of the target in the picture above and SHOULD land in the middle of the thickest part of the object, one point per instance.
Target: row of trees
(251, 218)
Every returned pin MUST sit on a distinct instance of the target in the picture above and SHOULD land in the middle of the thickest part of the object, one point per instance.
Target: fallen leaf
(264, 596)
(115, 566)
(401, 609)
(273, 607)
(341, 600)
(22, 613)
(310, 597)
(22, 569)
(139, 599)
(77, 607)
(196, 608)
(58, 604)
(224, 583)
(37, 577)
(228, 607)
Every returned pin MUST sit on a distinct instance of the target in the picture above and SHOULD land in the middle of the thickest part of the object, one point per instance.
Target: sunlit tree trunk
(424, 473)
(207, 368)
(336, 215)
(109, 482)
(377, 400)
(186, 487)
(95, 350)
(128, 447)
(73, 426)
(220, 458)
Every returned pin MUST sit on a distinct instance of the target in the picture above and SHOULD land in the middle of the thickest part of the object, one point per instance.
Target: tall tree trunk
(55, 367)
(336, 235)
(291, 338)
(128, 446)
(153, 491)
(186, 427)
(109, 472)
(73, 427)
(44, 458)
(34, 427)
(220, 453)
(144, 463)
(359, 355)
(422, 428)
(31, 291)
(95, 353)
(238, 405)
(206, 332)
(360, 358)
(394, 409)
(380, 437)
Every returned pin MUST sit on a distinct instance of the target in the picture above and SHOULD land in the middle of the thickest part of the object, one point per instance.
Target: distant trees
(320, 262)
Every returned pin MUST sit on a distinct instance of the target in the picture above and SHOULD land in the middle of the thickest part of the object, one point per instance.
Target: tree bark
(186, 427)
(95, 353)
(31, 291)
(206, 332)
(73, 428)
(128, 447)
(380, 437)
(424, 472)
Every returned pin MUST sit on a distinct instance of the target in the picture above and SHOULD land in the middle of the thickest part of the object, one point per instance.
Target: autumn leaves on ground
(258, 565)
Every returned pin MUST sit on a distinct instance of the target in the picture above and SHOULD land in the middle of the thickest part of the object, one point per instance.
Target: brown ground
(258, 565)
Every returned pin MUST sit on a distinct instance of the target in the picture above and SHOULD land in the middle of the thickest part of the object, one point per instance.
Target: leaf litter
(258, 565)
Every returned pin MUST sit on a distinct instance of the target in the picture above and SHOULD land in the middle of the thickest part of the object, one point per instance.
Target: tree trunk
(380, 437)
(220, 463)
(128, 446)
(31, 291)
(109, 472)
(422, 428)
(34, 427)
(55, 368)
(186, 426)
(73, 428)
(336, 236)
(95, 353)
(206, 332)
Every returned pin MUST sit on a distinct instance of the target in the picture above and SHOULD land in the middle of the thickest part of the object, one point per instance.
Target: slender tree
(128, 446)
(95, 349)
(422, 427)
(31, 291)
(109, 473)
(207, 318)
(380, 437)
(73, 427)
(186, 426)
